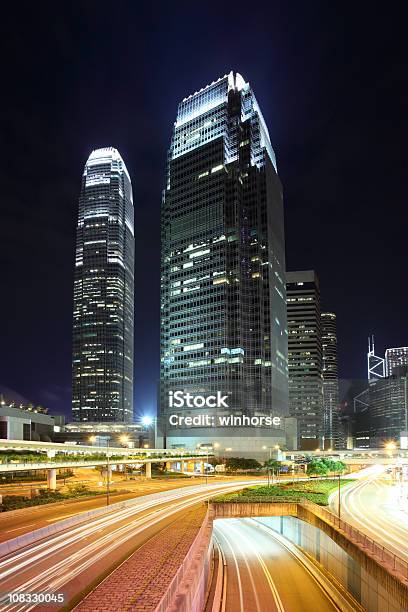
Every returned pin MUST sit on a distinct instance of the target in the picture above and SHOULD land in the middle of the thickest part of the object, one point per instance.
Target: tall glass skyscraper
(333, 435)
(223, 292)
(102, 367)
(305, 357)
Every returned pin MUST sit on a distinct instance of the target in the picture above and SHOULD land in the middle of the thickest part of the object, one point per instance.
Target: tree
(317, 468)
(340, 467)
(241, 463)
(272, 464)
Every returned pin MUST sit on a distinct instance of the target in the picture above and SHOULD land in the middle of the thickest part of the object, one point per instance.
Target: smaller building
(381, 411)
(133, 435)
(26, 422)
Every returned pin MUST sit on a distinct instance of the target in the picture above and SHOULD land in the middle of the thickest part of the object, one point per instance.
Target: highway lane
(378, 508)
(262, 574)
(13, 524)
(73, 561)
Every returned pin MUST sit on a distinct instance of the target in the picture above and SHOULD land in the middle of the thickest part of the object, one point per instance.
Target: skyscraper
(305, 357)
(102, 385)
(332, 428)
(223, 314)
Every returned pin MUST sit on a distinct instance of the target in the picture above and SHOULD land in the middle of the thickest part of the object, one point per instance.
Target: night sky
(332, 85)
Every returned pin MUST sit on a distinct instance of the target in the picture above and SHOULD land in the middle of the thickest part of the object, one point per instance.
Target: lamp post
(339, 496)
(107, 469)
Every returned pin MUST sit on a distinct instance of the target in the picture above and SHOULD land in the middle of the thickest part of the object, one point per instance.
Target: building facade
(333, 435)
(381, 416)
(27, 422)
(305, 357)
(102, 364)
(223, 315)
(394, 358)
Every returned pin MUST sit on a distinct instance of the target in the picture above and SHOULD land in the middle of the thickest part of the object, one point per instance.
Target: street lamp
(107, 470)
(124, 439)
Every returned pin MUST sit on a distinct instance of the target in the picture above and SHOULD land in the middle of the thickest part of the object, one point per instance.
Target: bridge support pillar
(183, 466)
(168, 466)
(148, 470)
(202, 470)
(52, 479)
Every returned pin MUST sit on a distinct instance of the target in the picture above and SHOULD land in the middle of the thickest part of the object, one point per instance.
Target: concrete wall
(366, 589)
(372, 575)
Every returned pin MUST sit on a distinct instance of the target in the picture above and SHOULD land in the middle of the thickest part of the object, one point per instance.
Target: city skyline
(204, 347)
(323, 141)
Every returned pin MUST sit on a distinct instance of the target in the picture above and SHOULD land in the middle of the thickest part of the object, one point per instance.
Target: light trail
(271, 583)
(62, 562)
(263, 566)
(370, 506)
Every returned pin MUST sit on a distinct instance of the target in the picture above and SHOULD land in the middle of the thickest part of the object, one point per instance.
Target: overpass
(90, 456)
(358, 457)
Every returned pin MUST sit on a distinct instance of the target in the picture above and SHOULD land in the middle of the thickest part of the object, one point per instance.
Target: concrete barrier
(188, 588)
(31, 537)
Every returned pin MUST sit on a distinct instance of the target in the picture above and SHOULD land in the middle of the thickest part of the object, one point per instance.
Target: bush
(317, 491)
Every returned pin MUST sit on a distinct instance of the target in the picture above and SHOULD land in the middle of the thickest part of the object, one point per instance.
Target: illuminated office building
(333, 435)
(305, 357)
(102, 385)
(394, 358)
(223, 313)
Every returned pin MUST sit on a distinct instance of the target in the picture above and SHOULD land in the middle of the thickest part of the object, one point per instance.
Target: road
(378, 507)
(13, 524)
(73, 561)
(263, 575)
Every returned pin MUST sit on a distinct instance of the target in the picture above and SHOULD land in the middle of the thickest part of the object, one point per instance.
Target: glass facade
(395, 358)
(102, 362)
(333, 433)
(223, 294)
(305, 357)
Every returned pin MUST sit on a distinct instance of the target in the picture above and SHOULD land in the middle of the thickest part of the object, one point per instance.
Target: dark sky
(331, 82)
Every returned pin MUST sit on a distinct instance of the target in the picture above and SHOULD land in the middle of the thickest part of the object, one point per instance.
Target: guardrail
(382, 553)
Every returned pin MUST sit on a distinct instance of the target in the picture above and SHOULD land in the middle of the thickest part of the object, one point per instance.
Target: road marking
(58, 518)
(252, 546)
(22, 527)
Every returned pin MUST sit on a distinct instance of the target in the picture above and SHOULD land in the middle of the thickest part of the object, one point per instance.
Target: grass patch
(15, 502)
(317, 491)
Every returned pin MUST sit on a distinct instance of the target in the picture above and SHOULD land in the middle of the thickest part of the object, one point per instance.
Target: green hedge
(317, 491)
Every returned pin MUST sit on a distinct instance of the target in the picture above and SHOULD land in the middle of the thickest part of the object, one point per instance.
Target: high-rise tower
(223, 313)
(102, 386)
(333, 436)
(305, 357)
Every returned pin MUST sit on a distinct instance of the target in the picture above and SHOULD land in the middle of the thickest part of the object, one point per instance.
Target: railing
(381, 553)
